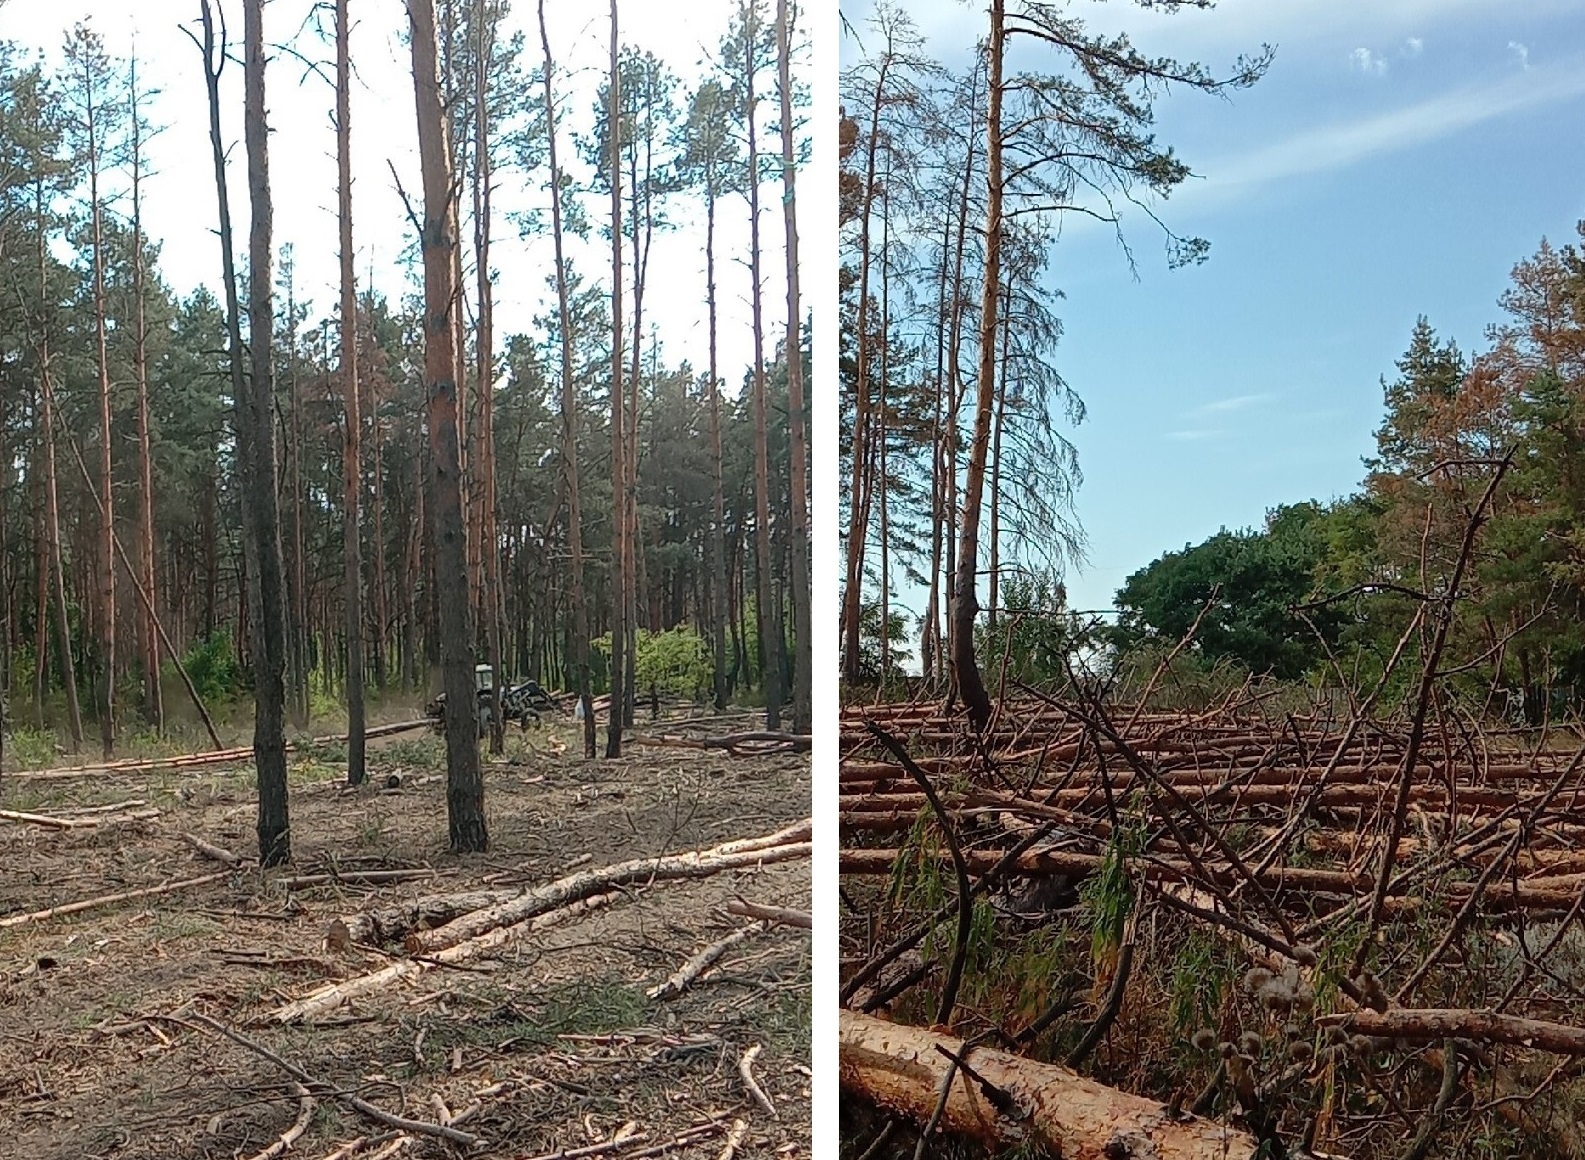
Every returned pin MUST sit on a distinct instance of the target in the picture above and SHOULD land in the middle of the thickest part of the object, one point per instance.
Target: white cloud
(1521, 52)
(1413, 47)
(1339, 145)
(1232, 403)
(1368, 62)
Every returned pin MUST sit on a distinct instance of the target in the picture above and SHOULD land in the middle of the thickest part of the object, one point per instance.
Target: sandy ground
(551, 1035)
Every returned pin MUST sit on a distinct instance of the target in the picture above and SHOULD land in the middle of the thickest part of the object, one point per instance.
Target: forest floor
(104, 1047)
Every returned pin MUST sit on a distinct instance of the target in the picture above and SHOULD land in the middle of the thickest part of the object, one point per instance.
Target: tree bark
(620, 535)
(905, 1069)
(799, 451)
(262, 523)
(107, 557)
(569, 420)
(464, 784)
(767, 609)
(153, 701)
(965, 602)
(351, 459)
(489, 547)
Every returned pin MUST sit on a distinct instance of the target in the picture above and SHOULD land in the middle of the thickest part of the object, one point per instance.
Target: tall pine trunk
(569, 421)
(153, 702)
(351, 459)
(965, 602)
(722, 612)
(799, 451)
(489, 538)
(620, 536)
(261, 520)
(464, 783)
(107, 551)
(767, 607)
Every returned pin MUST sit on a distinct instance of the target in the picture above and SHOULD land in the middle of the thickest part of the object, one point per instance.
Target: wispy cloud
(1368, 62)
(1232, 403)
(1340, 145)
(1522, 52)
(1413, 47)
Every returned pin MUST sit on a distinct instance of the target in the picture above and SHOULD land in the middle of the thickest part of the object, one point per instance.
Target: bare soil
(552, 1035)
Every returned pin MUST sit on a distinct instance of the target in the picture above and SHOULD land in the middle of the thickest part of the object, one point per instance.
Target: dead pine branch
(111, 899)
(305, 1105)
(745, 1070)
(357, 1104)
(689, 972)
(781, 914)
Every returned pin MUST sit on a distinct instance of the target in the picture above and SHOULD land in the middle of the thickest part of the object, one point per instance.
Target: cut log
(327, 999)
(1425, 1024)
(695, 864)
(394, 923)
(904, 1068)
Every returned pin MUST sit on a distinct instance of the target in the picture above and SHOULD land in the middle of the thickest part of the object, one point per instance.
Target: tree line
(1486, 447)
(193, 485)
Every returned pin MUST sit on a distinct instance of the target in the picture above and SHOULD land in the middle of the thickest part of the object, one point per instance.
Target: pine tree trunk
(52, 519)
(262, 521)
(569, 423)
(489, 539)
(464, 783)
(351, 458)
(107, 552)
(769, 612)
(858, 496)
(153, 701)
(620, 535)
(965, 601)
(994, 582)
(722, 612)
(799, 449)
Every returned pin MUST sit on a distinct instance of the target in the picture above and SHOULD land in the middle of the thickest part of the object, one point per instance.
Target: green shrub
(212, 667)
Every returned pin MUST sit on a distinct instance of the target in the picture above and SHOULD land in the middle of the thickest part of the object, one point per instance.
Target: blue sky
(1398, 159)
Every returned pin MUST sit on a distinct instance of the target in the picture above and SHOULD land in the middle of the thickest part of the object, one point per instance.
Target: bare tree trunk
(382, 611)
(489, 539)
(52, 519)
(262, 520)
(44, 557)
(569, 421)
(297, 671)
(799, 450)
(464, 784)
(153, 702)
(965, 602)
(858, 497)
(722, 613)
(769, 612)
(620, 536)
(107, 557)
(996, 463)
(351, 459)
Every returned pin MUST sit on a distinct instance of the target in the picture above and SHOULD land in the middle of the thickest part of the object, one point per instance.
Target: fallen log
(694, 864)
(394, 923)
(110, 899)
(737, 744)
(327, 999)
(1430, 1023)
(779, 914)
(1048, 1107)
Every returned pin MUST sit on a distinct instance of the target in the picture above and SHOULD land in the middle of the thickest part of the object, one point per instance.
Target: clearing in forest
(531, 1039)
